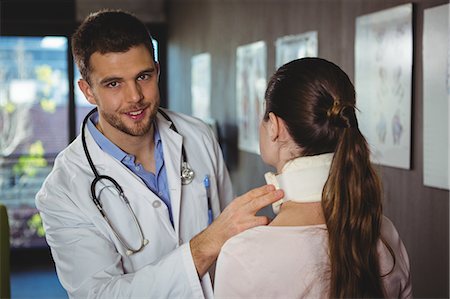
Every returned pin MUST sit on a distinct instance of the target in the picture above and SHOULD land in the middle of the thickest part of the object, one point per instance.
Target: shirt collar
(107, 145)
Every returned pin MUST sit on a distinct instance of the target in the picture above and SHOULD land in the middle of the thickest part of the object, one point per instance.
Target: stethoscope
(187, 175)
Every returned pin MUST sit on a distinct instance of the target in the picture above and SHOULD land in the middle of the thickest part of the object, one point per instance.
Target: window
(33, 126)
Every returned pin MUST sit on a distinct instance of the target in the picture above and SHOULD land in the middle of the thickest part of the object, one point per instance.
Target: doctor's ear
(87, 91)
(158, 69)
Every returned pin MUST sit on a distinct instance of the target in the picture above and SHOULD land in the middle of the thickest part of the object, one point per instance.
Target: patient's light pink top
(292, 262)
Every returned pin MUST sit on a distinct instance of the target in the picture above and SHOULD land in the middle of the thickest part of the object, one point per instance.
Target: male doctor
(156, 242)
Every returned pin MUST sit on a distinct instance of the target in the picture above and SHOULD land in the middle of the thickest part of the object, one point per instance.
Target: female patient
(329, 238)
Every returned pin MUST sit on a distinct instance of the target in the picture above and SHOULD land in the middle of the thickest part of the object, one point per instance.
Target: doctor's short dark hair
(108, 31)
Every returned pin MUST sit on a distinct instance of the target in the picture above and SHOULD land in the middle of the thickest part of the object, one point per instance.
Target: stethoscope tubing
(187, 175)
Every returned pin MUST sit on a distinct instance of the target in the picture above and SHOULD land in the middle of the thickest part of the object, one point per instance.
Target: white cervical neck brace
(302, 179)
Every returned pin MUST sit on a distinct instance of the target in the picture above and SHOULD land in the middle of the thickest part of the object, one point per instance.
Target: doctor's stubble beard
(140, 129)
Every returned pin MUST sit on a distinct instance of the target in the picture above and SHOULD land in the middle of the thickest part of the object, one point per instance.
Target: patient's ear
(273, 127)
(277, 128)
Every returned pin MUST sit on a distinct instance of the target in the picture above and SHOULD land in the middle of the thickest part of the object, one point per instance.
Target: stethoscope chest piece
(187, 174)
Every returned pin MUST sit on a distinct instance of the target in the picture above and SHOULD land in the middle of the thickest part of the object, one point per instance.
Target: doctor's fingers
(254, 193)
(255, 221)
(257, 199)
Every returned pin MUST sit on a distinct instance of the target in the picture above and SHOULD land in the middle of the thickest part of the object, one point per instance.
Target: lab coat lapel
(172, 143)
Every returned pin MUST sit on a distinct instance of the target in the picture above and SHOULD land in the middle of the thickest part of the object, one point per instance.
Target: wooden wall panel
(420, 213)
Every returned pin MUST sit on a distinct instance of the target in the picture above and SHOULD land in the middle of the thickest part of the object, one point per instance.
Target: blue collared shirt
(156, 182)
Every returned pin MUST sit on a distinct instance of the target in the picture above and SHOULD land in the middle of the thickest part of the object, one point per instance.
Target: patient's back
(293, 262)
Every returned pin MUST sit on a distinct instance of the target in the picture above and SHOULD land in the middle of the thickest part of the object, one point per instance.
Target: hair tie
(342, 115)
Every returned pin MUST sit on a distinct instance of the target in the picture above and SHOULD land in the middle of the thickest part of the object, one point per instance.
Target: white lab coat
(89, 259)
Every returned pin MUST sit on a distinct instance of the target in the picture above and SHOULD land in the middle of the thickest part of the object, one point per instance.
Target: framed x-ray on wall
(436, 96)
(250, 87)
(291, 47)
(201, 86)
(383, 80)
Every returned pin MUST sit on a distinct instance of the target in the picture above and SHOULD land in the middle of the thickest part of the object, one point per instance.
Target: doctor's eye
(143, 77)
(112, 84)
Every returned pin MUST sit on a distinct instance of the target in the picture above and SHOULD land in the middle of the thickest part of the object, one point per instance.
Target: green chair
(5, 286)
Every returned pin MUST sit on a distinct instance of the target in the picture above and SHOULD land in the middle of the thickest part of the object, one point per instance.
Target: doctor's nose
(134, 92)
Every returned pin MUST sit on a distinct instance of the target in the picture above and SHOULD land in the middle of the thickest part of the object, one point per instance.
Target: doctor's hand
(238, 216)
